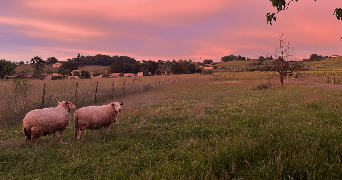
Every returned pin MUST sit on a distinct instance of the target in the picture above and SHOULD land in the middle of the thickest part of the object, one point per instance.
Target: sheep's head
(67, 105)
(117, 106)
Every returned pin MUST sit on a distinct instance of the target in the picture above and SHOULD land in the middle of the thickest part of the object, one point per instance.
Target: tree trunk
(281, 78)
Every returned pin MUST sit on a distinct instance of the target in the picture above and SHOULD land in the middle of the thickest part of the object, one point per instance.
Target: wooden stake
(75, 100)
(123, 88)
(43, 96)
(97, 84)
(113, 90)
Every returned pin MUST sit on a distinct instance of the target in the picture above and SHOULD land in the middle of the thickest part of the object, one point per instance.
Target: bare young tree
(285, 63)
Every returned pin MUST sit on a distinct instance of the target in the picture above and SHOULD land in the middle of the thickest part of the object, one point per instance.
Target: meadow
(205, 127)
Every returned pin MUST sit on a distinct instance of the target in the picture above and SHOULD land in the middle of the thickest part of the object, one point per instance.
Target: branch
(281, 6)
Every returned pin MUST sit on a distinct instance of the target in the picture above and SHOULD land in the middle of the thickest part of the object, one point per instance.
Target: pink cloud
(37, 28)
(147, 11)
(171, 29)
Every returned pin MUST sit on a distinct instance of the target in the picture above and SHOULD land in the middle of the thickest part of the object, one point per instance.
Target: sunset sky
(164, 29)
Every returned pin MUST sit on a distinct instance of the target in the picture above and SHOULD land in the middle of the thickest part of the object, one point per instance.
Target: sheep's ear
(121, 103)
(113, 104)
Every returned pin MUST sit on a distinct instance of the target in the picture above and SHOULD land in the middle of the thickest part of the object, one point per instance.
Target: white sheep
(41, 122)
(96, 117)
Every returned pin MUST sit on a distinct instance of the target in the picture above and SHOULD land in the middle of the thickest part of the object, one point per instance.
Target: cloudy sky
(164, 29)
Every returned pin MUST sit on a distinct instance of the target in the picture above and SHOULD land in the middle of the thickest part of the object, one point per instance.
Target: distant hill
(328, 64)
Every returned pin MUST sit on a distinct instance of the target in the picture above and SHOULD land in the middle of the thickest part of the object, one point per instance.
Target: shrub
(21, 85)
(207, 72)
(266, 85)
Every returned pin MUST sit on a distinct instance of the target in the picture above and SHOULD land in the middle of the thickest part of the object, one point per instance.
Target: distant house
(334, 56)
(99, 76)
(57, 65)
(56, 74)
(47, 76)
(205, 67)
(128, 75)
(114, 75)
(73, 77)
(140, 74)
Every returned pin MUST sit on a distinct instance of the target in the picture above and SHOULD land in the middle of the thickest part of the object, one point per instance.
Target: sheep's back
(95, 117)
(48, 118)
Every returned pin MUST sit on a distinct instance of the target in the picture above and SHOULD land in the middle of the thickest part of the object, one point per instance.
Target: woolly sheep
(96, 117)
(41, 122)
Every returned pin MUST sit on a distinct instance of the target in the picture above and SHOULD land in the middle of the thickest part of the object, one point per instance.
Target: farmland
(201, 127)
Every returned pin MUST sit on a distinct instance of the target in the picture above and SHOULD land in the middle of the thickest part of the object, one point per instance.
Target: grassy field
(328, 64)
(205, 128)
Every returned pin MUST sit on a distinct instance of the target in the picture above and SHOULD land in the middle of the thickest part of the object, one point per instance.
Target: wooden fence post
(133, 86)
(113, 90)
(75, 100)
(43, 96)
(123, 88)
(97, 84)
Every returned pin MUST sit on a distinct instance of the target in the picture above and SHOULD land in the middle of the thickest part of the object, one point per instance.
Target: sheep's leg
(26, 140)
(107, 129)
(79, 134)
(60, 136)
(53, 136)
(34, 141)
(76, 132)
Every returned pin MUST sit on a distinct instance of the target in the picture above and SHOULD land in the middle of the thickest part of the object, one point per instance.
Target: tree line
(117, 64)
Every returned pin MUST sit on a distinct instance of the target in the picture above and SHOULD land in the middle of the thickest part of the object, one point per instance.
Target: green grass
(206, 128)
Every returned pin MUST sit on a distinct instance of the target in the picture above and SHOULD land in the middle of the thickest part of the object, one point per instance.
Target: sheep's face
(117, 106)
(67, 105)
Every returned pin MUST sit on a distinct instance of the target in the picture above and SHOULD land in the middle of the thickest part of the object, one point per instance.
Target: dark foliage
(7, 68)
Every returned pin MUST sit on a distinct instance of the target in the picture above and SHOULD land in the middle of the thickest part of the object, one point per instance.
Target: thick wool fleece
(96, 117)
(46, 121)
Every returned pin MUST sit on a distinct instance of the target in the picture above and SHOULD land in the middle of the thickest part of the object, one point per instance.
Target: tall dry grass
(16, 101)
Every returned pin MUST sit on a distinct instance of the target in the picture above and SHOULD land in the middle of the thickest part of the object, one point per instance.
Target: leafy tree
(283, 5)
(207, 61)
(61, 70)
(76, 73)
(187, 67)
(21, 62)
(232, 57)
(7, 68)
(70, 65)
(315, 57)
(38, 64)
(146, 72)
(240, 58)
(51, 60)
(228, 58)
(85, 74)
(152, 66)
(135, 67)
(116, 67)
(176, 68)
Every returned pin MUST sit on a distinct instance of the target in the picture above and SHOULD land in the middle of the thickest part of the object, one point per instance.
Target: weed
(21, 86)
(266, 85)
